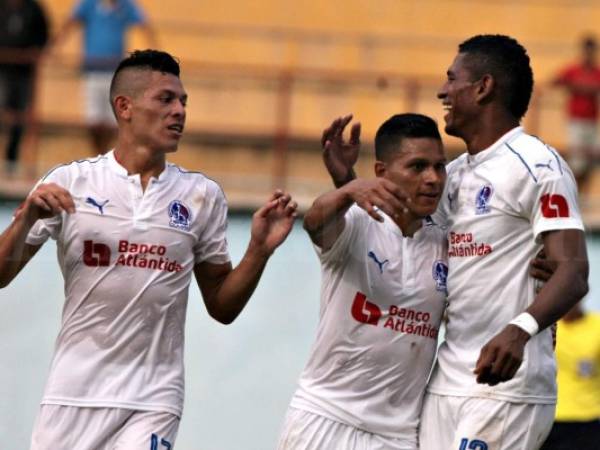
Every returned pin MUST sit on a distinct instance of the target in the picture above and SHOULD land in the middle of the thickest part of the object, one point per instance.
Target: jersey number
(475, 444)
(154, 443)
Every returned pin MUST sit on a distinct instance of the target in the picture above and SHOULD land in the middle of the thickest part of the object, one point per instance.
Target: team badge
(440, 275)
(482, 202)
(180, 216)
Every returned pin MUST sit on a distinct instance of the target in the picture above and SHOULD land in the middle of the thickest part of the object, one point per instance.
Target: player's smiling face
(158, 113)
(459, 97)
(419, 168)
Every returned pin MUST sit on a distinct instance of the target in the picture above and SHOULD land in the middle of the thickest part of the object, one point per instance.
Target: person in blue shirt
(104, 26)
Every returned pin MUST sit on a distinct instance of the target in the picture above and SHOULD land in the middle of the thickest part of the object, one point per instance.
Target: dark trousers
(573, 436)
(15, 94)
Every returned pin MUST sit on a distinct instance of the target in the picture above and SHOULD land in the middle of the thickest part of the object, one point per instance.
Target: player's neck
(408, 224)
(140, 160)
(488, 131)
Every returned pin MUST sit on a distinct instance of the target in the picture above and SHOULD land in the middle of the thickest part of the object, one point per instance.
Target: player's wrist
(341, 181)
(527, 323)
(258, 250)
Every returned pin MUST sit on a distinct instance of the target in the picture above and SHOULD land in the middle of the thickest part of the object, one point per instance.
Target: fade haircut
(508, 62)
(390, 134)
(140, 61)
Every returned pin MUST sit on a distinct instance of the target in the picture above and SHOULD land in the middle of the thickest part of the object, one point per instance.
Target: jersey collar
(122, 171)
(491, 150)
(114, 164)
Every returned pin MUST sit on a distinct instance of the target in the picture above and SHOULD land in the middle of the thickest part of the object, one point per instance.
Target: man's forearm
(239, 285)
(12, 247)
(327, 212)
(566, 287)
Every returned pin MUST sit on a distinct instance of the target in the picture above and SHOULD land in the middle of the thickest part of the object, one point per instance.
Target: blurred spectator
(582, 82)
(577, 423)
(104, 24)
(23, 34)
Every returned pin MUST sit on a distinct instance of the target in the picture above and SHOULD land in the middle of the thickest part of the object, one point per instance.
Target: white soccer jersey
(127, 257)
(497, 204)
(382, 298)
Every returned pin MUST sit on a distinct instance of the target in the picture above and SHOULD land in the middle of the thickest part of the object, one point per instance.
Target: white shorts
(467, 423)
(59, 427)
(303, 430)
(97, 99)
(583, 144)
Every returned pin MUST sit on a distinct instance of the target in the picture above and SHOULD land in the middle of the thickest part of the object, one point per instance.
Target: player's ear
(122, 105)
(380, 169)
(487, 83)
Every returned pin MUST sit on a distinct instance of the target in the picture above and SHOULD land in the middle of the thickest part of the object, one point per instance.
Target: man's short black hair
(156, 60)
(400, 126)
(508, 62)
(140, 60)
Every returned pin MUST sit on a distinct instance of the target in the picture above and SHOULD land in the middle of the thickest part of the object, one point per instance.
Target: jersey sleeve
(212, 244)
(340, 249)
(48, 228)
(551, 201)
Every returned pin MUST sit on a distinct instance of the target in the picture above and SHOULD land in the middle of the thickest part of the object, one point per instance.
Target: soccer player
(383, 293)
(131, 229)
(493, 386)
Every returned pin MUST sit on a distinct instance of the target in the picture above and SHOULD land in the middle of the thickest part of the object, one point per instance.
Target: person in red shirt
(582, 82)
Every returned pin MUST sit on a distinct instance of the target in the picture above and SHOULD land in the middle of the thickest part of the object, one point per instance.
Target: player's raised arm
(45, 201)
(502, 356)
(339, 155)
(225, 290)
(324, 221)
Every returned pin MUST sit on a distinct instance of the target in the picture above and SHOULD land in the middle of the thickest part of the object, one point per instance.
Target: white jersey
(127, 257)
(382, 299)
(497, 204)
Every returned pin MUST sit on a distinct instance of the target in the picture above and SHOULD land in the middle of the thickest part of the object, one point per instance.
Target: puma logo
(380, 264)
(547, 165)
(93, 202)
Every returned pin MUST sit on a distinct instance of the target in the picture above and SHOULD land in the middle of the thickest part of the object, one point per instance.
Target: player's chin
(425, 206)
(451, 128)
(171, 147)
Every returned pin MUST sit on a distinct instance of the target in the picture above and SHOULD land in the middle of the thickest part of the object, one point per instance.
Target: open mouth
(177, 127)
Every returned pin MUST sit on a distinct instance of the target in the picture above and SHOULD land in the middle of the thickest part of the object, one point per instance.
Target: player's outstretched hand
(502, 356)
(378, 194)
(272, 223)
(339, 155)
(46, 200)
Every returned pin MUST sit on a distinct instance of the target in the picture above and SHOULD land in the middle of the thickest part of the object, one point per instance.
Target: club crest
(179, 215)
(440, 275)
(482, 202)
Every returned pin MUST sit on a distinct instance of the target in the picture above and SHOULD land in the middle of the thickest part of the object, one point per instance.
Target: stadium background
(264, 78)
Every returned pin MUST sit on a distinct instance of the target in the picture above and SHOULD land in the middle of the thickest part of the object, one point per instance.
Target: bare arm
(502, 356)
(226, 290)
(324, 221)
(47, 200)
